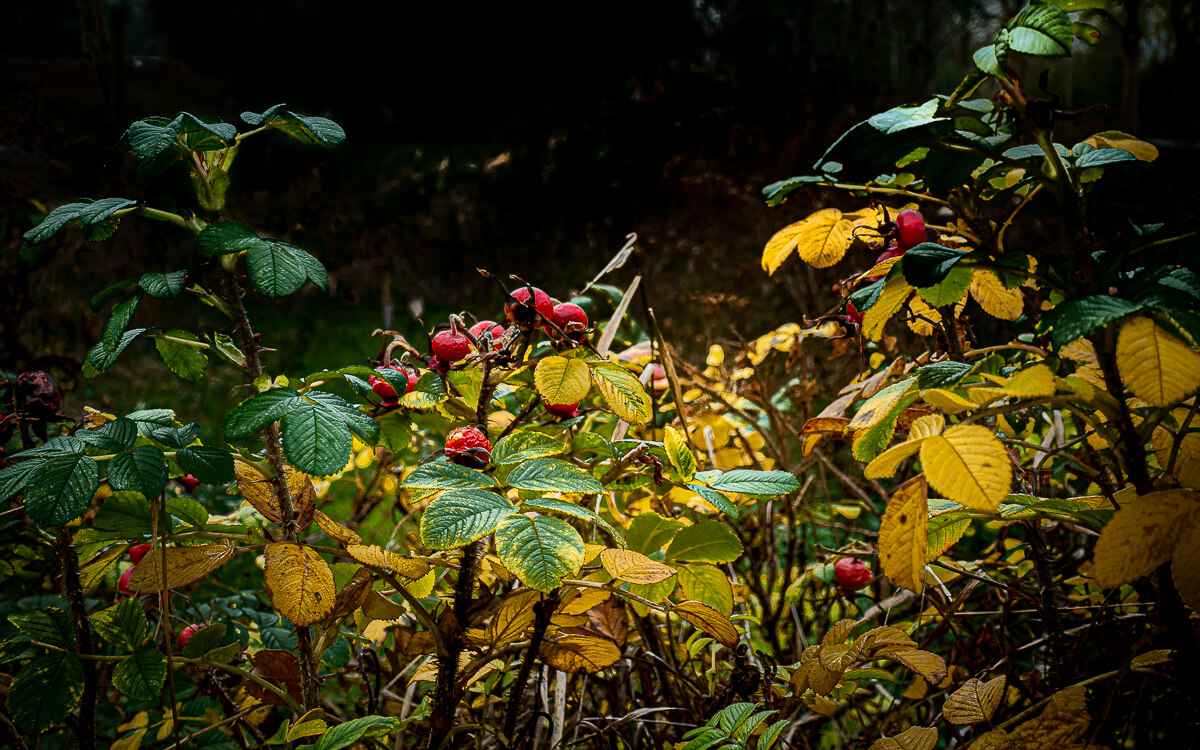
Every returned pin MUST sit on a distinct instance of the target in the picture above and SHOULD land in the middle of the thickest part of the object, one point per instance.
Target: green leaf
(204, 640)
(757, 483)
(927, 264)
(49, 625)
(316, 438)
(61, 488)
(622, 392)
(188, 362)
(153, 136)
(175, 437)
(539, 550)
(346, 734)
(16, 477)
(455, 519)
(273, 268)
(366, 428)
(208, 464)
(552, 475)
(941, 374)
(1042, 30)
(143, 470)
(141, 675)
(149, 420)
(950, 289)
(117, 435)
(227, 349)
(772, 734)
(443, 475)
(162, 285)
(255, 413)
(396, 432)
(224, 237)
(427, 392)
(679, 453)
(125, 513)
(705, 541)
(313, 268)
(650, 532)
(991, 59)
(777, 193)
(944, 531)
(95, 217)
(1080, 316)
(317, 131)
(123, 624)
(871, 442)
(100, 359)
(1100, 157)
(45, 691)
(188, 510)
(708, 584)
(571, 509)
(714, 498)
(118, 321)
(114, 289)
(522, 446)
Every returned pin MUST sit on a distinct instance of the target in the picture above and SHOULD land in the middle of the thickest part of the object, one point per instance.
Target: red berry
(852, 314)
(488, 326)
(186, 634)
(564, 410)
(384, 390)
(850, 574)
(518, 309)
(451, 346)
(468, 446)
(123, 583)
(893, 251)
(910, 228)
(570, 317)
(189, 482)
(137, 552)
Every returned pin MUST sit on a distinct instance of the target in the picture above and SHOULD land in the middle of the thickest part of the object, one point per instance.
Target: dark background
(522, 138)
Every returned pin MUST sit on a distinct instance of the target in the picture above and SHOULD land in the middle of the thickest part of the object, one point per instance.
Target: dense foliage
(538, 525)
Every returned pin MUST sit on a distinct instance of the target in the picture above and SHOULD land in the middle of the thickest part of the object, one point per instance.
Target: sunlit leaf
(634, 567)
(902, 535)
(1143, 535)
(1156, 366)
(969, 465)
(184, 565)
(378, 557)
(562, 380)
(709, 620)
(994, 298)
(299, 582)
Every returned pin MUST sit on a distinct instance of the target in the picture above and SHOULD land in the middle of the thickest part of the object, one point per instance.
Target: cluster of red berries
(907, 232)
(850, 574)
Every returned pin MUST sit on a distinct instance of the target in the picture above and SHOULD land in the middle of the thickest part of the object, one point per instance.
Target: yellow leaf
(968, 465)
(1156, 366)
(781, 244)
(585, 599)
(924, 317)
(1185, 566)
(709, 620)
(130, 741)
(299, 583)
(886, 464)
(903, 532)
(824, 237)
(927, 426)
(513, 618)
(1080, 350)
(948, 401)
(993, 739)
(259, 491)
(335, 530)
(579, 654)
(891, 298)
(974, 702)
(913, 738)
(878, 407)
(879, 269)
(679, 453)
(623, 393)
(634, 567)
(1030, 383)
(1142, 535)
(1116, 139)
(1143, 662)
(378, 557)
(1187, 460)
(561, 380)
(1063, 721)
(184, 565)
(989, 292)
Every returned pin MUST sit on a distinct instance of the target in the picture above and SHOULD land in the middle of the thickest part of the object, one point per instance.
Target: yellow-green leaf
(299, 582)
(1143, 535)
(948, 401)
(974, 702)
(561, 380)
(634, 567)
(902, 534)
(679, 453)
(1159, 368)
(879, 406)
(623, 392)
(1116, 139)
(895, 291)
(989, 292)
(968, 465)
(184, 565)
(1030, 383)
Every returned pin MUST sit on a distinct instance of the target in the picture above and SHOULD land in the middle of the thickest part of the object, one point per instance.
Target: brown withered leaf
(925, 663)
(378, 557)
(281, 669)
(351, 597)
(610, 619)
(974, 702)
(335, 530)
(1063, 721)
(913, 738)
(299, 582)
(379, 607)
(709, 620)
(184, 565)
(259, 492)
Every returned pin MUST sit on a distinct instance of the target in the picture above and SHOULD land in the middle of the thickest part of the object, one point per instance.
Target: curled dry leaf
(184, 565)
(974, 702)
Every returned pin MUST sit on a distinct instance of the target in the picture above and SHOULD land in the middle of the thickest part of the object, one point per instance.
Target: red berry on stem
(910, 228)
(518, 309)
(189, 482)
(850, 574)
(564, 410)
(186, 634)
(137, 552)
(451, 346)
(570, 317)
(468, 446)
(488, 326)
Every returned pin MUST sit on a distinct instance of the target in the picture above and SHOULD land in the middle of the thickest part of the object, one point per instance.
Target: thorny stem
(310, 689)
(85, 730)
(445, 696)
(542, 613)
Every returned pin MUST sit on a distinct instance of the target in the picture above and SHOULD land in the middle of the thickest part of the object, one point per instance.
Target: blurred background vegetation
(524, 139)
